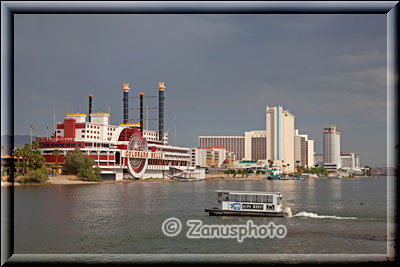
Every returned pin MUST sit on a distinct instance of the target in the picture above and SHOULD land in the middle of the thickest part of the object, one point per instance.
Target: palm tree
(56, 152)
(270, 163)
(18, 154)
(26, 154)
(35, 145)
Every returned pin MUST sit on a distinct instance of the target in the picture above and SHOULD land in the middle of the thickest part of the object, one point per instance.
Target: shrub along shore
(31, 167)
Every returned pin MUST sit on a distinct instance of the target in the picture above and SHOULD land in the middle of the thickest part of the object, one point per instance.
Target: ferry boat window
(237, 198)
(245, 198)
(268, 198)
(219, 197)
(226, 196)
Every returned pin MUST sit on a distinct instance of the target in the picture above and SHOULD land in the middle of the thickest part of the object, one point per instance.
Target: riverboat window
(68, 144)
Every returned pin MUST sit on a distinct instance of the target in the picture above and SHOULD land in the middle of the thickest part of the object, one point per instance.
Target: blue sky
(221, 71)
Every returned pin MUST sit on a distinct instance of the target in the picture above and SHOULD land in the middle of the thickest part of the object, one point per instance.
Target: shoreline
(73, 180)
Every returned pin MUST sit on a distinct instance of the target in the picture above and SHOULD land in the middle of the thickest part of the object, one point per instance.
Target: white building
(318, 159)
(249, 164)
(280, 137)
(212, 157)
(350, 160)
(331, 148)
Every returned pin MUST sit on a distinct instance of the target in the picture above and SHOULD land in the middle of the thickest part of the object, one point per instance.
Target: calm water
(127, 217)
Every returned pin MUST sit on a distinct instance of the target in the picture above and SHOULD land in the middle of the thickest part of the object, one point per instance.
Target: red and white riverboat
(121, 151)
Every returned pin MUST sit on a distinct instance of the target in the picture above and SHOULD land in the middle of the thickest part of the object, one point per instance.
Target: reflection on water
(127, 217)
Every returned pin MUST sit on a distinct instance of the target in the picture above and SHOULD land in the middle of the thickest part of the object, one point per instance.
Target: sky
(220, 72)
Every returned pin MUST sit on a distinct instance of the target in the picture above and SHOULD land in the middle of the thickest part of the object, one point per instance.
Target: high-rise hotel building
(331, 139)
(280, 137)
(251, 146)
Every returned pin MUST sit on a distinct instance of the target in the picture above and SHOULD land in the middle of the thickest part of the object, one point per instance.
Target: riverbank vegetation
(315, 170)
(81, 166)
(30, 164)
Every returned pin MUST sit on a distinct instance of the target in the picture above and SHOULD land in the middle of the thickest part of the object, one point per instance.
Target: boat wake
(316, 216)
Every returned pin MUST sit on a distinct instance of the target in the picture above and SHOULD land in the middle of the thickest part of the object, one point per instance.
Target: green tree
(35, 145)
(270, 163)
(55, 154)
(37, 176)
(18, 154)
(242, 172)
(76, 163)
(37, 160)
(368, 169)
(323, 171)
(26, 154)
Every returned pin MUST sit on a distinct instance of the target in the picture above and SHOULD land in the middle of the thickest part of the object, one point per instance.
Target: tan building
(280, 137)
(255, 145)
(303, 150)
(234, 144)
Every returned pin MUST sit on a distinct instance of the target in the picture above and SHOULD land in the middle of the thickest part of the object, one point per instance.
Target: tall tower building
(331, 140)
(280, 137)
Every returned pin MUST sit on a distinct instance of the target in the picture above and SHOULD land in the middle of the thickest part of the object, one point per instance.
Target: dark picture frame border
(9, 9)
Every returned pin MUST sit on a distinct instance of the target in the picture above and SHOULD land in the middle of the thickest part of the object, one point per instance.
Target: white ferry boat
(249, 203)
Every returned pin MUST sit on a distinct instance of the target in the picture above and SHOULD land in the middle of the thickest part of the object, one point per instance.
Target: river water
(330, 216)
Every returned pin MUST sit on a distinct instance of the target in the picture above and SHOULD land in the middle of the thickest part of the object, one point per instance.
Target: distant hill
(19, 141)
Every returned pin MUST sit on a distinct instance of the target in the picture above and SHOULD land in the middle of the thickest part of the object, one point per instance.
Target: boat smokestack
(161, 88)
(125, 89)
(90, 106)
(141, 112)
